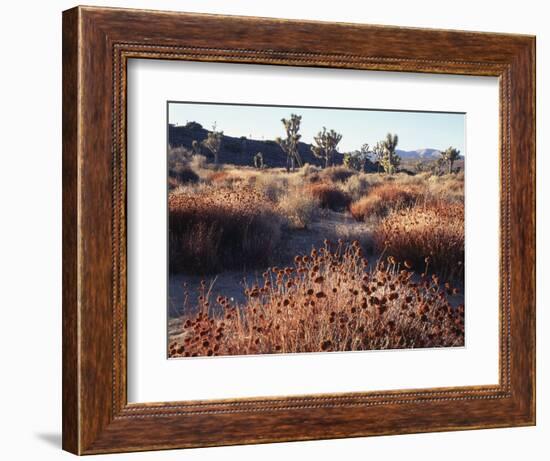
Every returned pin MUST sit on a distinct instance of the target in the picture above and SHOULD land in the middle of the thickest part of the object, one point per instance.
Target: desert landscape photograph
(313, 229)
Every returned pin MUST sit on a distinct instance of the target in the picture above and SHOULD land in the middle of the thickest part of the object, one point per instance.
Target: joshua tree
(358, 158)
(326, 145)
(437, 166)
(351, 160)
(289, 145)
(390, 160)
(450, 155)
(259, 161)
(377, 153)
(213, 142)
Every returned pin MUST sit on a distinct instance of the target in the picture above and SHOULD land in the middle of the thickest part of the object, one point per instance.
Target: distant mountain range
(420, 154)
(240, 151)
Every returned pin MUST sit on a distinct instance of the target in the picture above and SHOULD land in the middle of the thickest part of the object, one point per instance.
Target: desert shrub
(245, 175)
(308, 170)
(419, 178)
(313, 178)
(358, 185)
(337, 173)
(298, 208)
(183, 175)
(251, 179)
(172, 183)
(234, 177)
(326, 301)
(370, 205)
(220, 228)
(198, 162)
(329, 196)
(272, 185)
(194, 188)
(449, 187)
(430, 236)
(384, 198)
(459, 177)
(178, 156)
(221, 177)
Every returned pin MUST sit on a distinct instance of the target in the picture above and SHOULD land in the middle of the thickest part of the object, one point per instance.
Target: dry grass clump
(178, 156)
(313, 178)
(308, 170)
(384, 198)
(181, 175)
(329, 196)
(198, 162)
(336, 174)
(211, 229)
(272, 185)
(447, 187)
(220, 177)
(298, 208)
(430, 236)
(327, 301)
(359, 185)
(180, 170)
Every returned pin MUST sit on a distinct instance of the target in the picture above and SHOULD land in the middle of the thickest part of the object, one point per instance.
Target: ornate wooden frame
(97, 43)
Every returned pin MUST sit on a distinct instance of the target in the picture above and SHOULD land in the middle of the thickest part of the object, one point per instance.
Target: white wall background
(30, 230)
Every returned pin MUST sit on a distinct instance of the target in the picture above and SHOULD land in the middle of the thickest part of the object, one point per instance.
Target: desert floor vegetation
(327, 300)
(280, 260)
(429, 235)
(383, 198)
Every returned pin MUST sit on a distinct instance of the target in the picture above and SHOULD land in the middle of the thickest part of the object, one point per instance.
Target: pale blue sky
(416, 130)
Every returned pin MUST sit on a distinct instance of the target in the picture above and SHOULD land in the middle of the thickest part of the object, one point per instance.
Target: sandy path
(233, 283)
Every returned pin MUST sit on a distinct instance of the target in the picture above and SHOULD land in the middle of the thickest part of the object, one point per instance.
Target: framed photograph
(282, 230)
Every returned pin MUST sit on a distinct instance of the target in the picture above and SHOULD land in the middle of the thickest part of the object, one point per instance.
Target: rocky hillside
(240, 151)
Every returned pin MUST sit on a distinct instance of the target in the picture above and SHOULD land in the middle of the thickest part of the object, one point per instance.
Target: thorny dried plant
(431, 236)
(328, 300)
(219, 228)
(384, 198)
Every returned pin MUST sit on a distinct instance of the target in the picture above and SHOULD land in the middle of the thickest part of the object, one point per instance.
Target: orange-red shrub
(220, 228)
(430, 236)
(329, 196)
(337, 173)
(384, 198)
(219, 177)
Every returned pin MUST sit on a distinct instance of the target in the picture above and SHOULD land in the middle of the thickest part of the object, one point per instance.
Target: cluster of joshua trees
(325, 146)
